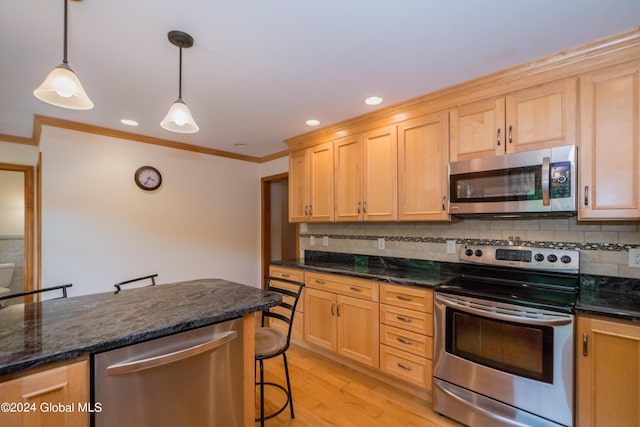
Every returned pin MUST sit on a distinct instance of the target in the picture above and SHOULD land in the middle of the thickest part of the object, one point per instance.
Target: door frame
(265, 223)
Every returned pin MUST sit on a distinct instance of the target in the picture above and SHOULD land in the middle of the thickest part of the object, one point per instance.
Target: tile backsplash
(604, 246)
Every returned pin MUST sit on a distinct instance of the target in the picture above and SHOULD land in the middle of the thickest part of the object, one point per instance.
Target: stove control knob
(552, 258)
(566, 259)
(478, 252)
(538, 257)
(468, 252)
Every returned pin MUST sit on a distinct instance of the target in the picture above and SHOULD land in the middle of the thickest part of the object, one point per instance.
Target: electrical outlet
(634, 257)
(381, 243)
(303, 227)
(325, 241)
(451, 246)
(312, 240)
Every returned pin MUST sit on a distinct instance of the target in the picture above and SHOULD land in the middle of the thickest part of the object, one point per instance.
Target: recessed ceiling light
(129, 122)
(312, 122)
(240, 145)
(373, 100)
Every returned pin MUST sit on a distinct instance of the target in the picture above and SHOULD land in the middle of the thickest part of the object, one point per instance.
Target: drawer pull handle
(320, 282)
(354, 289)
(404, 340)
(404, 319)
(404, 297)
(405, 367)
(285, 275)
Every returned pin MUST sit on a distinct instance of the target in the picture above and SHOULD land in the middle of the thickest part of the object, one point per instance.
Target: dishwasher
(192, 378)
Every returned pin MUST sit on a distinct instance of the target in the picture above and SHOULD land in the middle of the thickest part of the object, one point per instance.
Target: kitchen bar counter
(35, 334)
(413, 272)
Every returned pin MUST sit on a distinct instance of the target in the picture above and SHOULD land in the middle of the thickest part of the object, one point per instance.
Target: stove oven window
(519, 349)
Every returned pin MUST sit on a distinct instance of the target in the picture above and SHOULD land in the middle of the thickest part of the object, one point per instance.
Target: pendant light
(179, 118)
(61, 87)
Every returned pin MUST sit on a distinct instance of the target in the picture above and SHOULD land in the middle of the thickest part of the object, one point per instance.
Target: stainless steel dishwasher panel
(192, 378)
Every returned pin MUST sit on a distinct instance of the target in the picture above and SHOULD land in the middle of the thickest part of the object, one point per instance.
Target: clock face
(148, 178)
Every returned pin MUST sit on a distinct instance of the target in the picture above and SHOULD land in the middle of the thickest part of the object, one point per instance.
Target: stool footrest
(266, 417)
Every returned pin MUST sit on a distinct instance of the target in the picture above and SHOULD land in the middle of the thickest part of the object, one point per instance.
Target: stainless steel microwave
(541, 181)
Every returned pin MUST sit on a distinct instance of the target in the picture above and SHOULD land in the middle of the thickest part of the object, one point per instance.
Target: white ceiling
(259, 68)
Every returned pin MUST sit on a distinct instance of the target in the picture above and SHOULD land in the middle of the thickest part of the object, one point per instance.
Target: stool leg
(286, 372)
(261, 393)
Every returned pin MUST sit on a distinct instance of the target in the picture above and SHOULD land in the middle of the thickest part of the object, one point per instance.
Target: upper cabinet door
(542, 117)
(477, 130)
(380, 168)
(321, 184)
(348, 178)
(298, 186)
(609, 154)
(423, 153)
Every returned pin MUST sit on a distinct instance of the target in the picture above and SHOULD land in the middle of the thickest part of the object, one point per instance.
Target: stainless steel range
(504, 344)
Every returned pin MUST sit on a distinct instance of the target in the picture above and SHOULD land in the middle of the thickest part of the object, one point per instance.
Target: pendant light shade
(179, 118)
(62, 87)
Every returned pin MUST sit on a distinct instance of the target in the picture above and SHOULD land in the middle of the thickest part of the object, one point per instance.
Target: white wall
(11, 203)
(99, 228)
(19, 154)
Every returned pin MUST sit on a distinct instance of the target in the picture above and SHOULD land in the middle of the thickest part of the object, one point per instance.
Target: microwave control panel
(560, 185)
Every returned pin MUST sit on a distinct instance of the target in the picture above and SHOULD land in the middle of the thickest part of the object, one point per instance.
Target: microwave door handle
(546, 166)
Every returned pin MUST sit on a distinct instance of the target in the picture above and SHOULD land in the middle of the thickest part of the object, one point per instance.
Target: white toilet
(6, 273)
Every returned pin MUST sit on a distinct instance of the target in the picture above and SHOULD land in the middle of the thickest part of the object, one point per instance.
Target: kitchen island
(42, 334)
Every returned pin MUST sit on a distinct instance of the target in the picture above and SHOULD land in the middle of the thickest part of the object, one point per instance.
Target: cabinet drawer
(418, 344)
(409, 297)
(416, 370)
(349, 286)
(286, 273)
(410, 320)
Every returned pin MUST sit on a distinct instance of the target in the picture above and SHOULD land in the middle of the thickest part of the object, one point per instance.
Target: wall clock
(148, 178)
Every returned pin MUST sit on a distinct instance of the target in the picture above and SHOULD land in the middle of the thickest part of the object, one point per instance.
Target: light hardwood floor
(328, 394)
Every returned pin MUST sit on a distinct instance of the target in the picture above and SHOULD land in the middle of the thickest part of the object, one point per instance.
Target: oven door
(519, 356)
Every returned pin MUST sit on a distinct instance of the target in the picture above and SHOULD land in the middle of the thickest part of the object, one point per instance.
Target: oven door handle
(559, 320)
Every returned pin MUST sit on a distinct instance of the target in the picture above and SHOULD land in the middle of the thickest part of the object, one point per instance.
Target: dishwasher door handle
(129, 367)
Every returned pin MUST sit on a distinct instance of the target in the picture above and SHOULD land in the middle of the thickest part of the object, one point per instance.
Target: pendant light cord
(180, 75)
(64, 55)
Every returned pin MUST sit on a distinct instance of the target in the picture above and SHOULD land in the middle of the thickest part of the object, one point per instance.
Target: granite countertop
(609, 296)
(402, 271)
(603, 295)
(35, 334)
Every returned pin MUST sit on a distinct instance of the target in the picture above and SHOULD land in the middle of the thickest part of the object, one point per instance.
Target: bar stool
(151, 277)
(271, 342)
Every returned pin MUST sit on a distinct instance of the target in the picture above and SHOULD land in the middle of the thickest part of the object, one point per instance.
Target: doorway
(279, 236)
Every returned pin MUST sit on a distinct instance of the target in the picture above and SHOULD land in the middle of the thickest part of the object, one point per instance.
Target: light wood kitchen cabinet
(297, 330)
(423, 153)
(609, 152)
(406, 333)
(366, 176)
(608, 372)
(56, 396)
(311, 184)
(341, 315)
(530, 119)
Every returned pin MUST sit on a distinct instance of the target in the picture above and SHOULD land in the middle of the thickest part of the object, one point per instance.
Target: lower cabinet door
(358, 328)
(320, 319)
